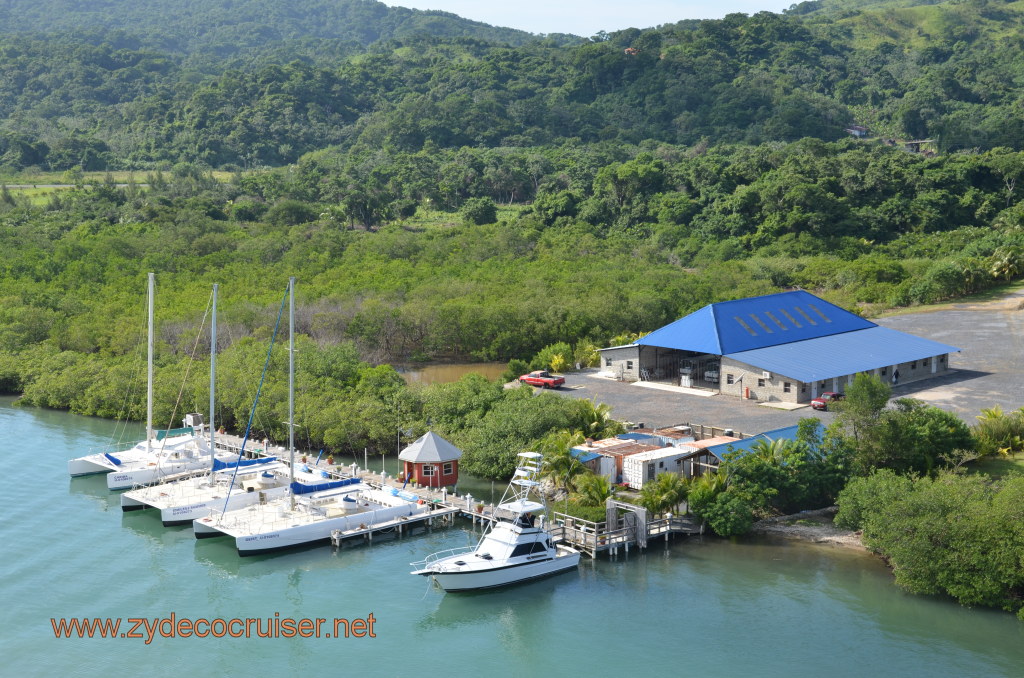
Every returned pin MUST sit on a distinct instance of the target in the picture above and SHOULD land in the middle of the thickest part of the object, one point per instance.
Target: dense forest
(133, 89)
(443, 189)
(490, 195)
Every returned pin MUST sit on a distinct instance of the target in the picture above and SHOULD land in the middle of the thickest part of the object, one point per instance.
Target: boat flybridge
(513, 550)
(181, 502)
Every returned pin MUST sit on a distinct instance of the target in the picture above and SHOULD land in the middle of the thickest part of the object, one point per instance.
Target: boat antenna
(255, 402)
(291, 387)
(149, 369)
(213, 373)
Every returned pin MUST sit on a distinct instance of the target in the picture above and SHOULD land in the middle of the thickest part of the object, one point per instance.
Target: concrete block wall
(623, 361)
(746, 376)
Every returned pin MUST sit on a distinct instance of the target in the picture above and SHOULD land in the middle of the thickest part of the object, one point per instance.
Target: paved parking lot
(988, 371)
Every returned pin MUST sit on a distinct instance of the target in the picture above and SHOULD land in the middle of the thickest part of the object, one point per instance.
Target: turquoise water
(698, 608)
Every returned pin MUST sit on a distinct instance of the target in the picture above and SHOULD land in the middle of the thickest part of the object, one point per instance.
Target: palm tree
(596, 419)
(705, 488)
(595, 489)
(993, 413)
(559, 464)
(665, 493)
(774, 451)
(1007, 263)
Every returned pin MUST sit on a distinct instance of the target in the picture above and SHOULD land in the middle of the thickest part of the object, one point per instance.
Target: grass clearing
(65, 178)
(987, 296)
(997, 467)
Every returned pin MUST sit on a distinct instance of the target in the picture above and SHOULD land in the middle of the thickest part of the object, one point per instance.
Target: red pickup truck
(542, 378)
(822, 401)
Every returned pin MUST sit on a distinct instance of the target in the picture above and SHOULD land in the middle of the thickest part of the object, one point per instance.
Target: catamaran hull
(154, 473)
(320, 531)
(91, 465)
(130, 504)
(477, 580)
(180, 515)
(205, 530)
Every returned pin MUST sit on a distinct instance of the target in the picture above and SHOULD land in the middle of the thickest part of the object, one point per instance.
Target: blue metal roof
(756, 322)
(787, 433)
(583, 456)
(842, 354)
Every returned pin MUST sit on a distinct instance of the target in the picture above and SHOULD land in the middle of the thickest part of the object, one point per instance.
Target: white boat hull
(205, 528)
(150, 472)
(319, 531)
(91, 465)
(180, 515)
(475, 580)
(101, 462)
(131, 504)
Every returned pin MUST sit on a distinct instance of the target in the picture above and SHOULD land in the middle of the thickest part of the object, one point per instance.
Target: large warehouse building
(787, 347)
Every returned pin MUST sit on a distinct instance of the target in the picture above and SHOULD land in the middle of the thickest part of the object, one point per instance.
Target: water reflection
(476, 608)
(147, 525)
(94, 489)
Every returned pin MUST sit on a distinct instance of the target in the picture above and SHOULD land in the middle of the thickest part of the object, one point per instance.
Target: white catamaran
(257, 481)
(194, 496)
(309, 513)
(513, 550)
(162, 454)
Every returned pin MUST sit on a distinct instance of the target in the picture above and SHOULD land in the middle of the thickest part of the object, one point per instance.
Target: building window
(629, 364)
(760, 382)
(924, 363)
(822, 384)
(913, 365)
(428, 470)
(942, 358)
(448, 468)
(884, 370)
(803, 388)
(728, 378)
(607, 362)
(785, 387)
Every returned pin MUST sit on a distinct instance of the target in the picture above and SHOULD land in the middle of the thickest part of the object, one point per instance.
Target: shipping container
(644, 467)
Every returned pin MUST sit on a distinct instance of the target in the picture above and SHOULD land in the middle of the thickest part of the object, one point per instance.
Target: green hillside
(228, 27)
(212, 91)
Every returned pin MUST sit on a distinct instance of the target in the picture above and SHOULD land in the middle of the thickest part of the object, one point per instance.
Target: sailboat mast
(213, 373)
(149, 370)
(291, 384)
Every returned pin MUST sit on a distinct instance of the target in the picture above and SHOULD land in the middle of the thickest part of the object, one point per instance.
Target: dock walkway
(626, 525)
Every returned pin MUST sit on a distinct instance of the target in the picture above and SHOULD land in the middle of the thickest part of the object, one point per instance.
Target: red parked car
(542, 378)
(822, 401)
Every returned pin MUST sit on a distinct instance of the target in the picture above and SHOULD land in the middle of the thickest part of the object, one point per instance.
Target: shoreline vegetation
(442, 188)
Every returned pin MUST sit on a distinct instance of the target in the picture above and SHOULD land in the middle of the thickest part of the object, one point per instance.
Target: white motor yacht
(515, 549)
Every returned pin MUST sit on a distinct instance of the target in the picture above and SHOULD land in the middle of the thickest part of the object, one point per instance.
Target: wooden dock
(442, 516)
(626, 525)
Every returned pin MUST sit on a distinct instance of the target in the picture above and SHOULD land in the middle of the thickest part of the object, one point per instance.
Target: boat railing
(113, 448)
(440, 555)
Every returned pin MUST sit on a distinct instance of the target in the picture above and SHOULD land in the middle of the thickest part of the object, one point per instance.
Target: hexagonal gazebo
(432, 461)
